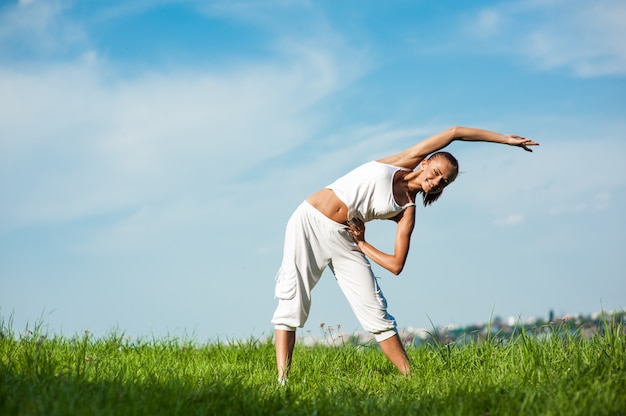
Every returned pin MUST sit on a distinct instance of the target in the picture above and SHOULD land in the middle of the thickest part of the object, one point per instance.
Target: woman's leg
(305, 256)
(358, 283)
(393, 349)
(285, 342)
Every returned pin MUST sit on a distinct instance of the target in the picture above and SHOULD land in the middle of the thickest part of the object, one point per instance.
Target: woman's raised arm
(414, 155)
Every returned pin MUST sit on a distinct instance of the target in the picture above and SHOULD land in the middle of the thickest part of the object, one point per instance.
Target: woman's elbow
(454, 131)
(396, 269)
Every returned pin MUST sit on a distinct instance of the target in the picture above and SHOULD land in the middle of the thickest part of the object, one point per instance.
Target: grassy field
(558, 374)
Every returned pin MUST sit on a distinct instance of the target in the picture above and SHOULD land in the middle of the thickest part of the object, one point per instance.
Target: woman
(328, 230)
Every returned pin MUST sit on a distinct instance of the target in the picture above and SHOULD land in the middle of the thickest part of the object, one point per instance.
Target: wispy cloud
(38, 29)
(513, 219)
(583, 37)
(560, 177)
(598, 202)
(79, 139)
(91, 138)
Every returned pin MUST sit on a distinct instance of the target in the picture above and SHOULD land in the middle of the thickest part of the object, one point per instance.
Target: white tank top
(367, 191)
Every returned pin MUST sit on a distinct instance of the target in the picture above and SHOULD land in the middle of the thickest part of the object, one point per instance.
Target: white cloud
(488, 23)
(161, 154)
(598, 202)
(573, 170)
(77, 141)
(583, 37)
(512, 219)
(38, 27)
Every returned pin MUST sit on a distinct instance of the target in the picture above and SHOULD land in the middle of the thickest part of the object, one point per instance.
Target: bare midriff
(327, 202)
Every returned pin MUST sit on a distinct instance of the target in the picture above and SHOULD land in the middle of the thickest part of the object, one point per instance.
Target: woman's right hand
(356, 228)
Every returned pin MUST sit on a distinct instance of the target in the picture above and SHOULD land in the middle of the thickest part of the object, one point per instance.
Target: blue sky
(152, 151)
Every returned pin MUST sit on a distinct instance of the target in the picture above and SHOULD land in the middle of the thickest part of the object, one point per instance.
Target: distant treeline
(499, 330)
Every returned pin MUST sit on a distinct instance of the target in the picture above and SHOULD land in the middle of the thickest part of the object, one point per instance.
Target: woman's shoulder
(405, 160)
(389, 162)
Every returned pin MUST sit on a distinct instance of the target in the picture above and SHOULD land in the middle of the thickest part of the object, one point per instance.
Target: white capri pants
(312, 242)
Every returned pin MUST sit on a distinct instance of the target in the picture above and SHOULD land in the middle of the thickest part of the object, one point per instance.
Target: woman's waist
(328, 203)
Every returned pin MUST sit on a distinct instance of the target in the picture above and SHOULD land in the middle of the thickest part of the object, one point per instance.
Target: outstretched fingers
(522, 142)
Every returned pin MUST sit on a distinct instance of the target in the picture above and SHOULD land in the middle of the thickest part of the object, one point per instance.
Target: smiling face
(437, 173)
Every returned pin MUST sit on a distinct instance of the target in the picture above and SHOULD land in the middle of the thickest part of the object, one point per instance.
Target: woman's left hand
(356, 228)
(515, 140)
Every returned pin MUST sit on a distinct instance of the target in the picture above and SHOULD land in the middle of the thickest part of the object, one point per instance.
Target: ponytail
(428, 199)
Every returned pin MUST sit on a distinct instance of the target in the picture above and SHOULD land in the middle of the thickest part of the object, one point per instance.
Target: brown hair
(428, 199)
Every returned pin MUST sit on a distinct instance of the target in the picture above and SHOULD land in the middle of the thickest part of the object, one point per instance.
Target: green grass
(556, 375)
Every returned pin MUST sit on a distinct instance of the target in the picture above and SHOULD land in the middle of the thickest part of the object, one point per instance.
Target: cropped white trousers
(312, 242)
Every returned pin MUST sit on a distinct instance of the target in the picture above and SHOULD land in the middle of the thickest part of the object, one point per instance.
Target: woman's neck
(404, 188)
(413, 182)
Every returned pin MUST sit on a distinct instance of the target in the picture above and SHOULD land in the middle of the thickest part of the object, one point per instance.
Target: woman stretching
(328, 230)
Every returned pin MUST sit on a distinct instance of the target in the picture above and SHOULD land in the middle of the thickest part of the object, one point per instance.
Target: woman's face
(437, 174)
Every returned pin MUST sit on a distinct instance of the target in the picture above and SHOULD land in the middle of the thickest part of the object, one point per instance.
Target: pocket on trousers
(286, 282)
